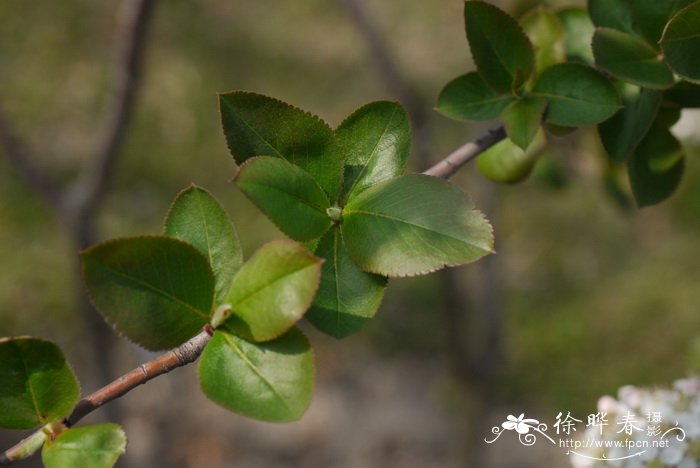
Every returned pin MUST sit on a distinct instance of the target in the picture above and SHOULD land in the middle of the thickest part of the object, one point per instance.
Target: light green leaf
(683, 94)
(287, 194)
(507, 163)
(37, 386)
(502, 52)
(96, 446)
(272, 290)
(681, 43)
(468, 97)
(576, 94)
(522, 119)
(156, 291)
(347, 297)
(546, 33)
(413, 225)
(270, 381)
(257, 125)
(578, 33)
(630, 58)
(197, 218)
(376, 140)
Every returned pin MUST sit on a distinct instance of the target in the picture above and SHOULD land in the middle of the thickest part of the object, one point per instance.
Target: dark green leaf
(347, 297)
(272, 290)
(668, 115)
(576, 94)
(630, 58)
(506, 163)
(270, 381)
(287, 194)
(376, 140)
(683, 94)
(615, 14)
(622, 133)
(37, 386)
(657, 166)
(578, 33)
(156, 291)
(651, 16)
(413, 225)
(197, 218)
(681, 43)
(546, 33)
(90, 446)
(468, 97)
(502, 52)
(257, 125)
(522, 119)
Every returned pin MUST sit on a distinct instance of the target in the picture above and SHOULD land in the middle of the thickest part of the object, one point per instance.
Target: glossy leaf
(522, 119)
(347, 297)
(156, 291)
(288, 195)
(272, 290)
(96, 446)
(37, 386)
(507, 163)
(681, 42)
(578, 33)
(376, 140)
(657, 166)
(502, 52)
(257, 125)
(576, 95)
(651, 16)
(468, 97)
(630, 58)
(615, 14)
(270, 381)
(546, 33)
(683, 94)
(413, 225)
(622, 133)
(197, 218)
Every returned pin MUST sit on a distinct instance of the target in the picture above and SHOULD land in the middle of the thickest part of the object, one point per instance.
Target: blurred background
(585, 294)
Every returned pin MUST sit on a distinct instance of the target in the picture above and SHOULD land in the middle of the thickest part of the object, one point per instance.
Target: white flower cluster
(656, 415)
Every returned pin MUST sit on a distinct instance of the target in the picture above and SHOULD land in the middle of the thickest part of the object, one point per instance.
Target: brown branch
(465, 153)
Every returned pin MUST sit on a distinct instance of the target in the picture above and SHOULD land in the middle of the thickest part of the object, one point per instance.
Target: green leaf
(270, 381)
(507, 163)
(522, 119)
(502, 52)
(197, 218)
(96, 446)
(546, 33)
(257, 125)
(347, 297)
(681, 43)
(577, 95)
(413, 225)
(38, 386)
(376, 140)
(622, 133)
(630, 58)
(156, 291)
(651, 16)
(657, 166)
(683, 94)
(578, 34)
(287, 194)
(615, 14)
(272, 290)
(468, 97)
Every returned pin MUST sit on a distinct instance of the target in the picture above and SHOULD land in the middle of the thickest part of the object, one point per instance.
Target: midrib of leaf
(337, 284)
(206, 233)
(268, 285)
(255, 369)
(495, 53)
(247, 124)
(568, 98)
(29, 384)
(290, 195)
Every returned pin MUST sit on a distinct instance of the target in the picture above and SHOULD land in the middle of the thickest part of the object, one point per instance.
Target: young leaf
(547, 36)
(347, 297)
(413, 225)
(376, 140)
(272, 290)
(287, 194)
(156, 291)
(197, 218)
(578, 34)
(270, 381)
(468, 97)
(507, 163)
(522, 119)
(96, 446)
(630, 58)
(657, 166)
(502, 52)
(257, 125)
(622, 133)
(576, 94)
(683, 94)
(38, 386)
(681, 43)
